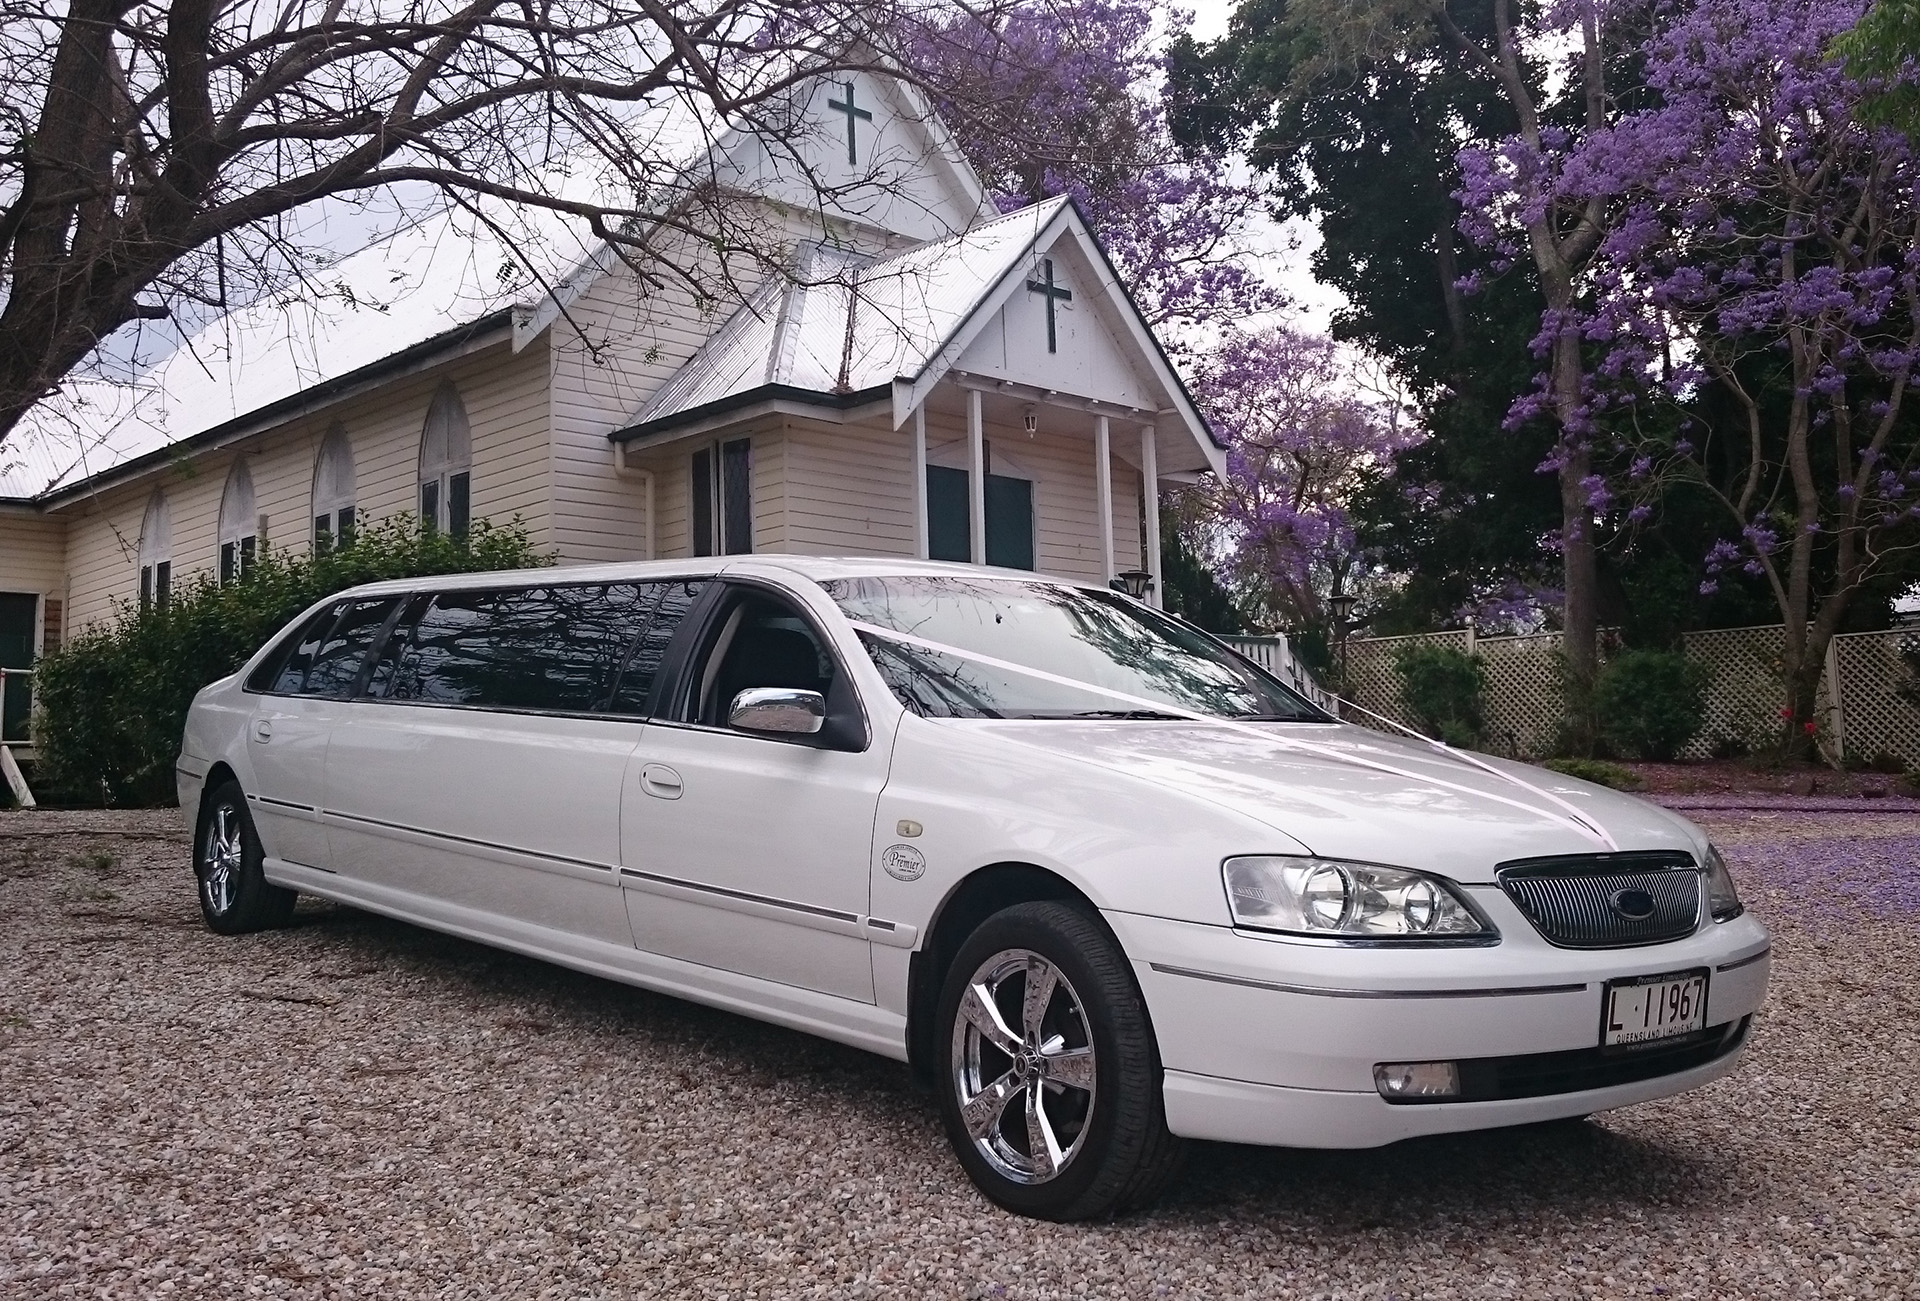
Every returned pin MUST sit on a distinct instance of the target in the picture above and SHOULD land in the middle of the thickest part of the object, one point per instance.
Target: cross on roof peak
(1054, 294)
(854, 116)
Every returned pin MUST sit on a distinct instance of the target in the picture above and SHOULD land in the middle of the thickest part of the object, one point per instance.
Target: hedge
(110, 705)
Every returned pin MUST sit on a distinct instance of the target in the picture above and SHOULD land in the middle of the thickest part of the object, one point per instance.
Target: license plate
(1642, 1009)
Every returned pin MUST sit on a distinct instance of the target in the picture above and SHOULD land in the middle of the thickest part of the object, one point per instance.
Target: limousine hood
(1446, 815)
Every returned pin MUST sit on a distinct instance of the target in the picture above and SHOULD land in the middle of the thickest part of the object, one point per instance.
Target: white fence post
(1836, 704)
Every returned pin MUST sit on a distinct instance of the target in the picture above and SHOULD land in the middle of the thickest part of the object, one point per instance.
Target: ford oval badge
(904, 862)
(1633, 905)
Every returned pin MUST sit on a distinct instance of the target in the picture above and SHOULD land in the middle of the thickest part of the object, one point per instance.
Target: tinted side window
(554, 648)
(764, 644)
(674, 599)
(285, 671)
(336, 664)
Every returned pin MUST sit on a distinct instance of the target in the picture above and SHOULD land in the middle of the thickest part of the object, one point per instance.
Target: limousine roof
(817, 568)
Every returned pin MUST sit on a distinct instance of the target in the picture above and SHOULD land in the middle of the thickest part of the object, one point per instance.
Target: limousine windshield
(1069, 632)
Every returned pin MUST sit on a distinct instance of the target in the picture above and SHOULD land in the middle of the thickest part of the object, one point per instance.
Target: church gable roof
(846, 326)
(867, 331)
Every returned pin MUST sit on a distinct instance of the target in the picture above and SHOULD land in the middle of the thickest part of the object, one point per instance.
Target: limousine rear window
(336, 664)
(1093, 637)
(580, 648)
(284, 670)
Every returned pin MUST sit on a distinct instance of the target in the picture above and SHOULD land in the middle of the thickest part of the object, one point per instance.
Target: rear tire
(235, 895)
(1049, 1078)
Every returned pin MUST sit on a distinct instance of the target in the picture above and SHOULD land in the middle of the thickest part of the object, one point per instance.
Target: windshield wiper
(1120, 713)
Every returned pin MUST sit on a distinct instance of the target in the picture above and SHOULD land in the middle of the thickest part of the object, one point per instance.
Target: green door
(1009, 518)
(1009, 522)
(17, 610)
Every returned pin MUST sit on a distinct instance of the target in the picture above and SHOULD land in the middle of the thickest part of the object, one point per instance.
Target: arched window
(156, 553)
(333, 491)
(446, 461)
(238, 523)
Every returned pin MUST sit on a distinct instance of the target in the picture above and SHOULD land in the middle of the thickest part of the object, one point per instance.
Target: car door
(300, 691)
(748, 852)
(482, 766)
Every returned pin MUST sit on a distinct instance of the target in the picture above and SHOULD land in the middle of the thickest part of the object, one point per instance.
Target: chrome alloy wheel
(1026, 1094)
(220, 860)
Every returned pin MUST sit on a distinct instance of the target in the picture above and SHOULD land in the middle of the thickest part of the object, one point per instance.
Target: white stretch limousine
(1104, 881)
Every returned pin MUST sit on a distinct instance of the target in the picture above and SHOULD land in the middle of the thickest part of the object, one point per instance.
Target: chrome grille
(1586, 902)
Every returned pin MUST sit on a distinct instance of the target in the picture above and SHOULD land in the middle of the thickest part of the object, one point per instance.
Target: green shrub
(1651, 703)
(1597, 771)
(1442, 688)
(109, 706)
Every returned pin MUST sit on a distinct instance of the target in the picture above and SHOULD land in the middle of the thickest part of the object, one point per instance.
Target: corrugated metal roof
(449, 268)
(846, 326)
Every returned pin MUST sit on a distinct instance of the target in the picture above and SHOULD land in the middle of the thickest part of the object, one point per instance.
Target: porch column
(1103, 490)
(920, 543)
(977, 478)
(1150, 489)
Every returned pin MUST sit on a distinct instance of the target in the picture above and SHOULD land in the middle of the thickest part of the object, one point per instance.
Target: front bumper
(1266, 1040)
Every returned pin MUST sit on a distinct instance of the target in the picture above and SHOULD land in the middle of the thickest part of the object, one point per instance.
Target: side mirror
(778, 709)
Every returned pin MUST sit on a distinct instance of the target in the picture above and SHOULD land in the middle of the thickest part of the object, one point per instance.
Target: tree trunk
(1578, 550)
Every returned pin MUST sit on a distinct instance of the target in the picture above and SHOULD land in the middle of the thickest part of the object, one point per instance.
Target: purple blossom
(1300, 437)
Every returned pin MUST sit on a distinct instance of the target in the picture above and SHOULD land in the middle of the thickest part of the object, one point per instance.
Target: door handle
(263, 729)
(660, 781)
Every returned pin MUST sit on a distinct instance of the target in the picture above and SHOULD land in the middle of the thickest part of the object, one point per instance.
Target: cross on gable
(1054, 294)
(854, 116)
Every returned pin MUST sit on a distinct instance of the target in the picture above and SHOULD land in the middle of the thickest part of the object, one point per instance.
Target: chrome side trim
(283, 804)
(467, 840)
(699, 887)
(1747, 961)
(1323, 991)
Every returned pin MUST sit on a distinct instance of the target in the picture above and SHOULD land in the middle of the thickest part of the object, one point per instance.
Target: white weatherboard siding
(615, 345)
(33, 554)
(505, 398)
(850, 491)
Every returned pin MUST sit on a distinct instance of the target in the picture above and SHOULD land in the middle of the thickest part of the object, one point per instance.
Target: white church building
(932, 380)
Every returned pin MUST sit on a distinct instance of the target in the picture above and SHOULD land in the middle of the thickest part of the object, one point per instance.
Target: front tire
(1050, 1081)
(235, 895)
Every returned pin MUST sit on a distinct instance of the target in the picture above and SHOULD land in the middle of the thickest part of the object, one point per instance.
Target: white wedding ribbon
(1567, 814)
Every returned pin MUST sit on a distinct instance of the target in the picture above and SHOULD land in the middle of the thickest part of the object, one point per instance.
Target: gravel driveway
(355, 1108)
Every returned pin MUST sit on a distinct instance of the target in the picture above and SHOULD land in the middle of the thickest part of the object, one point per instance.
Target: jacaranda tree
(1755, 308)
(1302, 438)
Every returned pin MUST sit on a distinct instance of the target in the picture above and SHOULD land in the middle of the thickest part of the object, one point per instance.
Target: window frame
(710, 530)
(239, 526)
(155, 554)
(330, 509)
(445, 479)
(423, 598)
(683, 666)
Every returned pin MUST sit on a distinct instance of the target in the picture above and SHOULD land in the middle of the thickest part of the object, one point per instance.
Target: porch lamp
(1134, 582)
(1342, 605)
(1031, 419)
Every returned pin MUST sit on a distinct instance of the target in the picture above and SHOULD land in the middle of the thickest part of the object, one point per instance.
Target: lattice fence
(1859, 702)
(1523, 700)
(1874, 717)
(1371, 680)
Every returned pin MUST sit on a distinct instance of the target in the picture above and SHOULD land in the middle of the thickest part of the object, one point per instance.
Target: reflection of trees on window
(643, 666)
(336, 665)
(1092, 637)
(556, 648)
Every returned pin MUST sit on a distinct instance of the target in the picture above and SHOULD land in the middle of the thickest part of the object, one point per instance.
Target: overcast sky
(1315, 302)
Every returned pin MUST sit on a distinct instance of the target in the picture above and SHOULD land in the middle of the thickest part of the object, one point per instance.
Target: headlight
(1362, 901)
(1723, 901)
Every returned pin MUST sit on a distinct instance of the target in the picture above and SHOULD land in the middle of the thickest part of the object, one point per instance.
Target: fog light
(1397, 1080)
